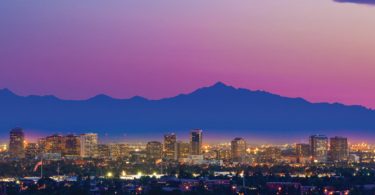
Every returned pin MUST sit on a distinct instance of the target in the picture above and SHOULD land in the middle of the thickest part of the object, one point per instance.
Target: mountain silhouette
(219, 108)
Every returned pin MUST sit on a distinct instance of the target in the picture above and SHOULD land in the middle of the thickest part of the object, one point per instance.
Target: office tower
(238, 149)
(183, 150)
(170, 146)
(72, 145)
(103, 151)
(319, 148)
(196, 142)
(114, 151)
(339, 151)
(31, 150)
(302, 150)
(303, 153)
(154, 150)
(272, 154)
(89, 145)
(54, 144)
(16, 143)
(42, 145)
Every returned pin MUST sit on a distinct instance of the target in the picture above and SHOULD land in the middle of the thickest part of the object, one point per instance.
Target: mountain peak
(7, 92)
(101, 97)
(138, 98)
(220, 84)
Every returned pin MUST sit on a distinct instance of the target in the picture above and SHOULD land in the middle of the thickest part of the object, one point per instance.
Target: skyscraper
(272, 154)
(31, 150)
(72, 145)
(114, 151)
(303, 153)
(154, 150)
(238, 149)
(196, 142)
(55, 144)
(170, 146)
(103, 151)
(89, 145)
(319, 148)
(338, 150)
(16, 143)
(302, 150)
(183, 149)
(42, 145)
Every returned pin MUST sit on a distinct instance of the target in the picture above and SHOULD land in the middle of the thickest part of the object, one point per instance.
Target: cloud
(368, 2)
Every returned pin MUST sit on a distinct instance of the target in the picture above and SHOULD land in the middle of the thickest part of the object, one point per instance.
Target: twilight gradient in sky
(321, 50)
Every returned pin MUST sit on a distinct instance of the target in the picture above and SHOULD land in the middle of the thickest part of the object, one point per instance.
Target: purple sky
(320, 50)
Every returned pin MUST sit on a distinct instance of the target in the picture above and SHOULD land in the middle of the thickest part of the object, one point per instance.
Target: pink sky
(319, 50)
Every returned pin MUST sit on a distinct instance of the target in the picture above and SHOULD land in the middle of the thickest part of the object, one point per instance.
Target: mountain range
(221, 110)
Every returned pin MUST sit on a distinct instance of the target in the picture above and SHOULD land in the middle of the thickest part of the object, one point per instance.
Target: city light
(140, 158)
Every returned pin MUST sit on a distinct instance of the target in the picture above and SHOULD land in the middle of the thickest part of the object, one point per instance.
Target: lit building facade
(31, 150)
(89, 145)
(302, 150)
(183, 150)
(319, 148)
(196, 142)
(17, 143)
(238, 149)
(154, 150)
(170, 146)
(103, 151)
(54, 144)
(72, 145)
(338, 149)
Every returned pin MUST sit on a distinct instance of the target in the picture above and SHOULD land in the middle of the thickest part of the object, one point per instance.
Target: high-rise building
(319, 148)
(31, 150)
(303, 153)
(238, 149)
(103, 151)
(72, 145)
(16, 143)
(302, 150)
(154, 150)
(338, 149)
(183, 150)
(42, 145)
(196, 142)
(272, 154)
(114, 151)
(89, 145)
(55, 144)
(170, 146)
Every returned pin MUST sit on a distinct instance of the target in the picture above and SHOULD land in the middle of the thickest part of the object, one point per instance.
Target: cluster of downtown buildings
(193, 167)
(320, 149)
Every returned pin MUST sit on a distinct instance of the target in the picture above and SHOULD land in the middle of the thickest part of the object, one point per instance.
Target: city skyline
(86, 146)
(194, 136)
(210, 137)
(167, 97)
(192, 166)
